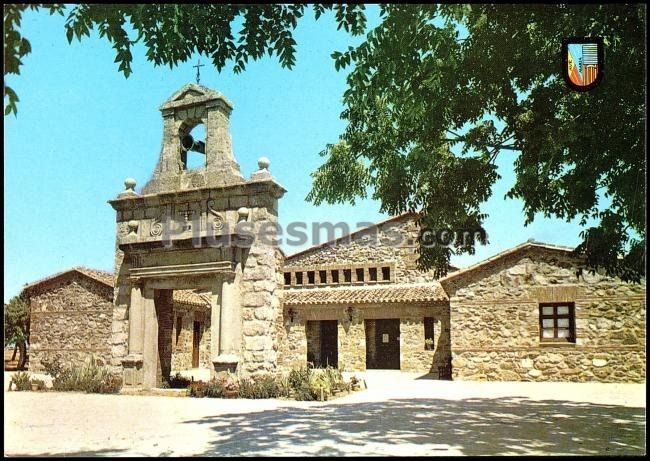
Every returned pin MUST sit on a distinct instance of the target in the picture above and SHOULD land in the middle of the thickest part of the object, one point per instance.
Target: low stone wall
(552, 364)
(70, 320)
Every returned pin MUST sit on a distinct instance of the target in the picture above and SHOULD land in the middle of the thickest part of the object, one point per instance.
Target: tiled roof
(366, 294)
(191, 298)
(188, 297)
(107, 278)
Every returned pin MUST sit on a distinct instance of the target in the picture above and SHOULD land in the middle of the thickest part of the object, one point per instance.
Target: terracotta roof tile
(191, 298)
(188, 297)
(411, 293)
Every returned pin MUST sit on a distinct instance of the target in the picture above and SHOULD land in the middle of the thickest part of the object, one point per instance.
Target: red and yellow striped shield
(582, 62)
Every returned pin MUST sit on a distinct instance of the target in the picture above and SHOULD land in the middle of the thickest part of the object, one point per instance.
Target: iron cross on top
(198, 71)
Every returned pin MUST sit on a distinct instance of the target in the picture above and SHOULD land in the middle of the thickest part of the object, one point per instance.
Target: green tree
(431, 78)
(424, 92)
(17, 327)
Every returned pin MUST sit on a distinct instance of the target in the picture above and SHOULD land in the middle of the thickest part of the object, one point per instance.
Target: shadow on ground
(75, 454)
(475, 426)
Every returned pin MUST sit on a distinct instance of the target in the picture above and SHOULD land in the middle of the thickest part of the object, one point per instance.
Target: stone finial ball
(129, 183)
(263, 163)
(243, 212)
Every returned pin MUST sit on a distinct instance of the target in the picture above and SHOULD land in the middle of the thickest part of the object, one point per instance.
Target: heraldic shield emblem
(582, 62)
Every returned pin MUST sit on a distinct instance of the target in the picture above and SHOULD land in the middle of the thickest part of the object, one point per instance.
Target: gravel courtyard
(397, 415)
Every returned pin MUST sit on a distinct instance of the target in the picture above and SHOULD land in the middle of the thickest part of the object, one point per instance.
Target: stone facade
(352, 335)
(206, 229)
(211, 231)
(391, 244)
(70, 319)
(495, 318)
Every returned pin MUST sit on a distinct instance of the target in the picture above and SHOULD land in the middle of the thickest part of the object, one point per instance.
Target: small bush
(197, 389)
(54, 369)
(299, 377)
(264, 387)
(215, 389)
(284, 389)
(179, 382)
(89, 377)
(21, 381)
(304, 393)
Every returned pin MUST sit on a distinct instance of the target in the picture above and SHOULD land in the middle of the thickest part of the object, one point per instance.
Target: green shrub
(333, 378)
(299, 377)
(304, 393)
(284, 389)
(263, 387)
(299, 384)
(54, 369)
(89, 377)
(20, 381)
(215, 389)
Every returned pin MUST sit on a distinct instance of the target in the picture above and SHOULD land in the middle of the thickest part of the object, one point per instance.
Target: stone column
(150, 347)
(136, 322)
(132, 363)
(230, 330)
(215, 320)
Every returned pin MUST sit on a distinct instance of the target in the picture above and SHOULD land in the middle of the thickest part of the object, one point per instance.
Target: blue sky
(82, 128)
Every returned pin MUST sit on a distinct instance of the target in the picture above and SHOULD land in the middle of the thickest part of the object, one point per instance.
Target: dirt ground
(398, 415)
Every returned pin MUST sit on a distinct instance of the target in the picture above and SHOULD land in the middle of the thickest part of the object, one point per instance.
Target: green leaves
(427, 91)
(16, 320)
(432, 79)
(174, 33)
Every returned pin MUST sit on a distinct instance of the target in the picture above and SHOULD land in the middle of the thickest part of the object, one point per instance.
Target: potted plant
(38, 385)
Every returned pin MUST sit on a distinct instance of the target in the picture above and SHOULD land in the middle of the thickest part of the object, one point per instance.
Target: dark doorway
(196, 341)
(329, 344)
(382, 344)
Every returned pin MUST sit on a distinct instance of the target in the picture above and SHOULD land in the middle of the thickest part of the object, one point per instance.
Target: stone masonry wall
(260, 294)
(70, 320)
(495, 322)
(376, 245)
(352, 336)
(182, 340)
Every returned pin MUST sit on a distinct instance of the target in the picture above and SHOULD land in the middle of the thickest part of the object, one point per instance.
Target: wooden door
(382, 343)
(329, 343)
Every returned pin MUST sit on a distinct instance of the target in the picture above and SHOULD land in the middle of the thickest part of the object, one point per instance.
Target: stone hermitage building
(178, 302)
